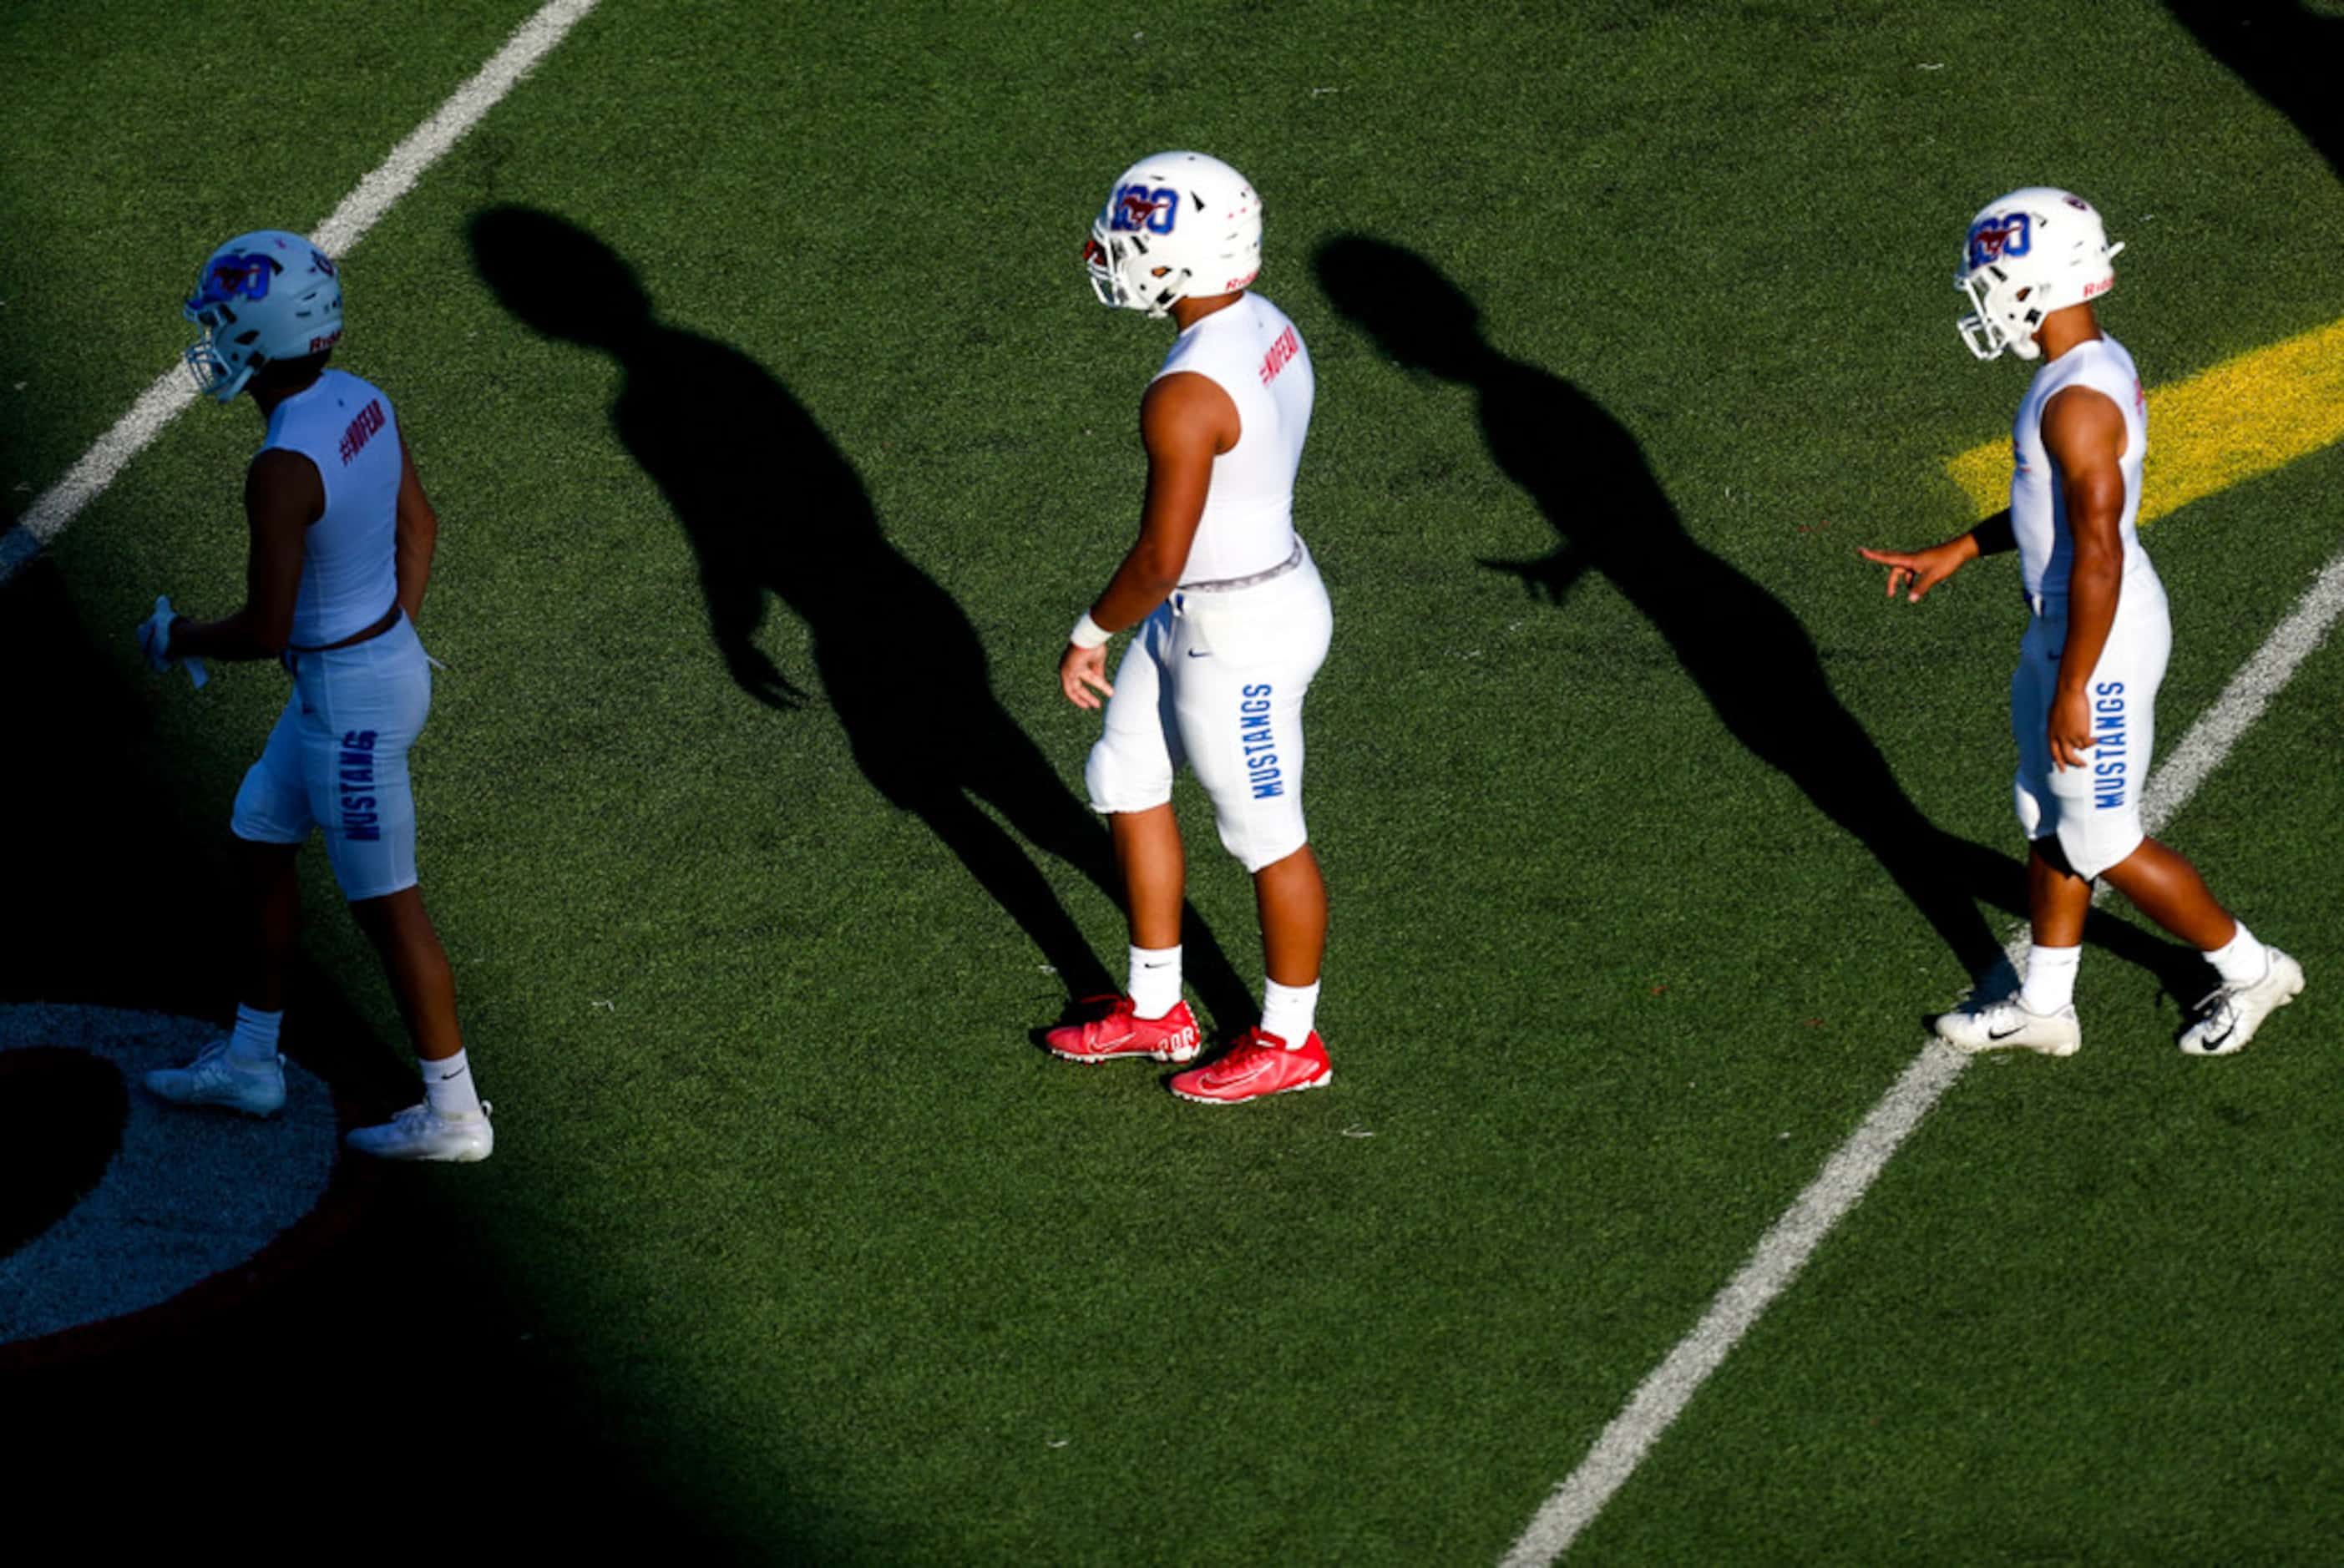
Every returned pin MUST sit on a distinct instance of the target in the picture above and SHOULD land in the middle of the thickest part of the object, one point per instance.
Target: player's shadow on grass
(2283, 51)
(1750, 656)
(772, 508)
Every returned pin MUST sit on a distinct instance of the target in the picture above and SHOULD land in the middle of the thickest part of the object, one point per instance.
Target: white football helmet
(2032, 252)
(267, 295)
(1175, 225)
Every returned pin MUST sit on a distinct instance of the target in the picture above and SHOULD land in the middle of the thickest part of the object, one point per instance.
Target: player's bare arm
(283, 495)
(2085, 434)
(1185, 422)
(1916, 571)
(418, 533)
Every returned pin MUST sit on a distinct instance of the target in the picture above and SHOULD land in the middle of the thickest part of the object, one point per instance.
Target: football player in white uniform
(342, 537)
(2083, 700)
(1232, 624)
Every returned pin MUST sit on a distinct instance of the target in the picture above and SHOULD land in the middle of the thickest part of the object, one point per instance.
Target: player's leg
(2101, 830)
(2168, 889)
(2057, 900)
(1129, 777)
(271, 817)
(451, 1123)
(270, 892)
(1291, 897)
(370, 703)
(416, 967)
(1240, 714)
(2042, 1015)
(1014, 778)
(2253, 979)
(1154, 865)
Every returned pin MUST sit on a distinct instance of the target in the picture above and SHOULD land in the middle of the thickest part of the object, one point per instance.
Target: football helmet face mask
(1175, 225)
(2032, 252)
(267, 295)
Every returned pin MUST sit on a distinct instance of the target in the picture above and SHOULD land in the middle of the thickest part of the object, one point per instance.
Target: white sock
(2242, 960)
(1155, 988)
(2050, 978)
(447, 1085)
(255, 1037)
(1289, 1011)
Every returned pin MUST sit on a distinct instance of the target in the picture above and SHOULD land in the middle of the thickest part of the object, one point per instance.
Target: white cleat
(418, 1132)
(217, 1078)
(2228, 1018)
(2007, 1025)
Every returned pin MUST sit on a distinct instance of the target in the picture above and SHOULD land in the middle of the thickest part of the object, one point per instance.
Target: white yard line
(97, 468)
(1850, 1170)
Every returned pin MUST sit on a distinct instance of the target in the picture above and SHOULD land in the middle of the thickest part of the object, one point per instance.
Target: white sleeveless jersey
(349, 570)
(2038, 499)
(1252, 352)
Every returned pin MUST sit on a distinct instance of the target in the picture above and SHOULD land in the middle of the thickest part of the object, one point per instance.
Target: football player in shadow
(2082, 701)
(342, 541)
(772, 508)
(1749, 657)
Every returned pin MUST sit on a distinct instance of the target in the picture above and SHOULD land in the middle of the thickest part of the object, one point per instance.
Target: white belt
(1231, 584)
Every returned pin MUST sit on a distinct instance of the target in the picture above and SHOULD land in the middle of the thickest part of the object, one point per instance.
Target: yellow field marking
(2245, 417)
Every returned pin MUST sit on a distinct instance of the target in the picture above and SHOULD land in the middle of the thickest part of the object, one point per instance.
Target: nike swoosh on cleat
(2004, 1034)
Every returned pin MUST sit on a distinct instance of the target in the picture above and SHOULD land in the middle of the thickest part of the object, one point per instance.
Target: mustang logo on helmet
(1996, 238)
(1136, 207)
(234, 276)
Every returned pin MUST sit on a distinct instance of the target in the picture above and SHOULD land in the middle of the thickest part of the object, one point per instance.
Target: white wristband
(1088, 634)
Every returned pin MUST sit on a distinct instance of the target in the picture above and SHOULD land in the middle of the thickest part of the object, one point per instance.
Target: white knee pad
(272, 805)
(1259, 841)
(2093, 845)
(1139, 749)
(2029, 810)
(1123, 773)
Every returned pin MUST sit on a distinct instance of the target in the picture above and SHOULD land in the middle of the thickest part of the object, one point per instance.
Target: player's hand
(1082, 671)
(2070, 730)
(1918, 570)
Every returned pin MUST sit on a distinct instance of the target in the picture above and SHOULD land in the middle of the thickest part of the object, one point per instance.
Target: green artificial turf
(810, 1247)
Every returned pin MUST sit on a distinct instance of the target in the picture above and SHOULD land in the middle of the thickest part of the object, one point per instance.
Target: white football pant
(2092, 810)
(337, 760)
(1216, 680)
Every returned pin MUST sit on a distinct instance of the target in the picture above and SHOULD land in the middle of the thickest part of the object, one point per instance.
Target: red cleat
(1256, 1066)
(1120, 1032)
